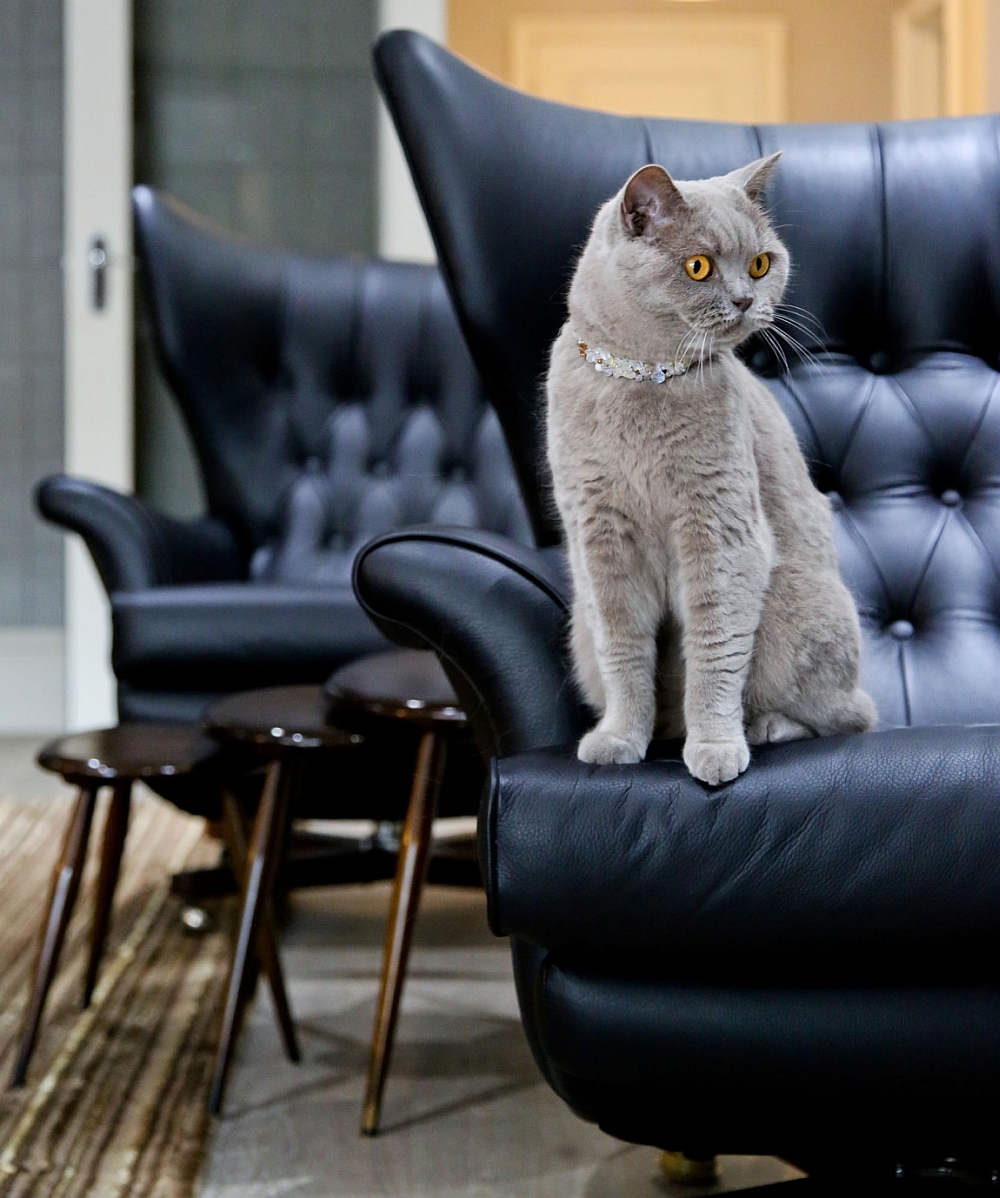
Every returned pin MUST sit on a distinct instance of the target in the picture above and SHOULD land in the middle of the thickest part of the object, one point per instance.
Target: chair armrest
(879, 850)
(133, 545)
(495, 613)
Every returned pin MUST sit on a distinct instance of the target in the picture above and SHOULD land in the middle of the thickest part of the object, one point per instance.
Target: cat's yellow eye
(699, 267)
(759, 266)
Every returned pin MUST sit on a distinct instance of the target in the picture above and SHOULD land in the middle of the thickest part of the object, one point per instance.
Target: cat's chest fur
(650, 451)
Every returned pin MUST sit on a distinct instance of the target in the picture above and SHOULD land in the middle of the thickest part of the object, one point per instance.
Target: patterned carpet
(116, 1098)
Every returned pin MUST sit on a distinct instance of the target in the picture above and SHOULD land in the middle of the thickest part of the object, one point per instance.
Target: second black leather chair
(327, 400)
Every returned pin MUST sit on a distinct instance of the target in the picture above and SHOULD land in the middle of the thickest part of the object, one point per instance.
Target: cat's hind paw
(716, 761)
(605, 748)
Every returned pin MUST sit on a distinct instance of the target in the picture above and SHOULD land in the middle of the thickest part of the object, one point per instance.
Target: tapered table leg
(235, 824)
(411, 869)
(262, 861)
(112, 847)
(65, 887)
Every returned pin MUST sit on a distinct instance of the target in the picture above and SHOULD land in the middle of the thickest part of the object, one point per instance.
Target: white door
(97, 266)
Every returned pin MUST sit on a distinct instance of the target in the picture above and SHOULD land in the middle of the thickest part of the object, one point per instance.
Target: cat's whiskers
(775, 347)
(706, 333)
(795, 323)
(687, 343)
(803, 314)
(805, 354)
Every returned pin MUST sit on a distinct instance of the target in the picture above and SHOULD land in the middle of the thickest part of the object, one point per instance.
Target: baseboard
(32, 689)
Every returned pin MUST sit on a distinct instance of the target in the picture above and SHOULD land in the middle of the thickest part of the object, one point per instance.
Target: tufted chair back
(894, 232)
(328, 400)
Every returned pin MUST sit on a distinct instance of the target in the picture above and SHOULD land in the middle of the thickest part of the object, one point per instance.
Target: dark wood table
(113, 757)
(408, 687)
(360, 707)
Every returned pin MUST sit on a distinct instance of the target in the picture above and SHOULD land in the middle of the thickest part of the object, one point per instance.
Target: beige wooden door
(944, 57)
(741, 60)
(713, 66)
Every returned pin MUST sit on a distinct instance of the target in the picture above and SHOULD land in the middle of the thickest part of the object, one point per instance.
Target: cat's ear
(754, 176)
(651, 199)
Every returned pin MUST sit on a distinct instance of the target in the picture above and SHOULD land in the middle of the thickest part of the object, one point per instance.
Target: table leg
(62, 899)
(235, 829)
(262, 862)
(411, 869)
(112, 847)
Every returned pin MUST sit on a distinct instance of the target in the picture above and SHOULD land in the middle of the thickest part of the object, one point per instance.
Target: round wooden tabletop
(400, 684)
(130, 751)
(277, 717)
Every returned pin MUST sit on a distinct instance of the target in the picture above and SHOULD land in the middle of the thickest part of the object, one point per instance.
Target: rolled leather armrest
(133, 545)
(495, 613)
(878, 852)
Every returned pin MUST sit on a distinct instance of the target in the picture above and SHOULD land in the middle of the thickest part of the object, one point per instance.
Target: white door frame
(98, 341)
(402, 230)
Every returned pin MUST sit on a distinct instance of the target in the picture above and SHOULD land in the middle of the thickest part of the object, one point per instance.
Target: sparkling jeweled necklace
(631, 368)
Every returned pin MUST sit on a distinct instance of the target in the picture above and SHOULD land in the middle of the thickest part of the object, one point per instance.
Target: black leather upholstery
(780, 875)
(327, 400)
(802, 959)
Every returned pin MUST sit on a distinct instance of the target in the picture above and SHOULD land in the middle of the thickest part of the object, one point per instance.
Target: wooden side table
(114, 757)
(278, 725)
(410, 687)
(360, 707)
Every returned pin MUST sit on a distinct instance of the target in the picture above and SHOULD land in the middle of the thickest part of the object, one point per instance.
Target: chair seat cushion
(229, 636)
(881, 849)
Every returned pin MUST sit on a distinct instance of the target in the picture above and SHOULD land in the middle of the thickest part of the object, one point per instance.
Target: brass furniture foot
(689, 1170)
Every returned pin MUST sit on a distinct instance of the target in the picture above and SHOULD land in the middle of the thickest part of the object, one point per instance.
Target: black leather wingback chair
(327, 400)
(801, 962)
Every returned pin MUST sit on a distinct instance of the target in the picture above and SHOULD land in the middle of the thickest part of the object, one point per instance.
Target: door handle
(97, 263)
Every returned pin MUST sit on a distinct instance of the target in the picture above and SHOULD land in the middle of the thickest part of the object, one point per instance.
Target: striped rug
(115, 1105)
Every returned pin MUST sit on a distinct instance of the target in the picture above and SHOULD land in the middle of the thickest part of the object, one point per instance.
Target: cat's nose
(743, 302)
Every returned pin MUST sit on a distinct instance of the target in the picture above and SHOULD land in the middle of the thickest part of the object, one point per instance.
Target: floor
(465, 1114)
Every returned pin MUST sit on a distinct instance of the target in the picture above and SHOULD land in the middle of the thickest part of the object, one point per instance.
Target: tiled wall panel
(31, 318)
(260, 114)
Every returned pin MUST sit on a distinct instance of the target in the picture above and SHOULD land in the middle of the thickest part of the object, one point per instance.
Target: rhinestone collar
(629, 368)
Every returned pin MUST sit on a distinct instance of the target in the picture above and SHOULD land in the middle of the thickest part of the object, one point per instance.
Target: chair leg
(262, 862)
(411, 869)
(112, 847)
(235, 830)
(62, 899)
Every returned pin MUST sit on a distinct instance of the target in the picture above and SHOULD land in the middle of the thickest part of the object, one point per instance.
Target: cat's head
(701, 252)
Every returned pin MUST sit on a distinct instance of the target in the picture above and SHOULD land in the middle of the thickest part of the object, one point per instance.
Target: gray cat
(707, 599)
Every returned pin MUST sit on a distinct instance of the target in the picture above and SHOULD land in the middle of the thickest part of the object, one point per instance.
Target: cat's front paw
(605, 748)
(716, 761)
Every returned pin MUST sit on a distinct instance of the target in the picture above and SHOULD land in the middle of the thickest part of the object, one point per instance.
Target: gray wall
(31, 316)
(260, 114)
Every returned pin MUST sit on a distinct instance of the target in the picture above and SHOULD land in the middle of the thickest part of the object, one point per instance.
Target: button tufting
(901, 630)
(458, 474)
(879, 362)
(760, 359)
(380, 468)
(951, 498)
(836, 501)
